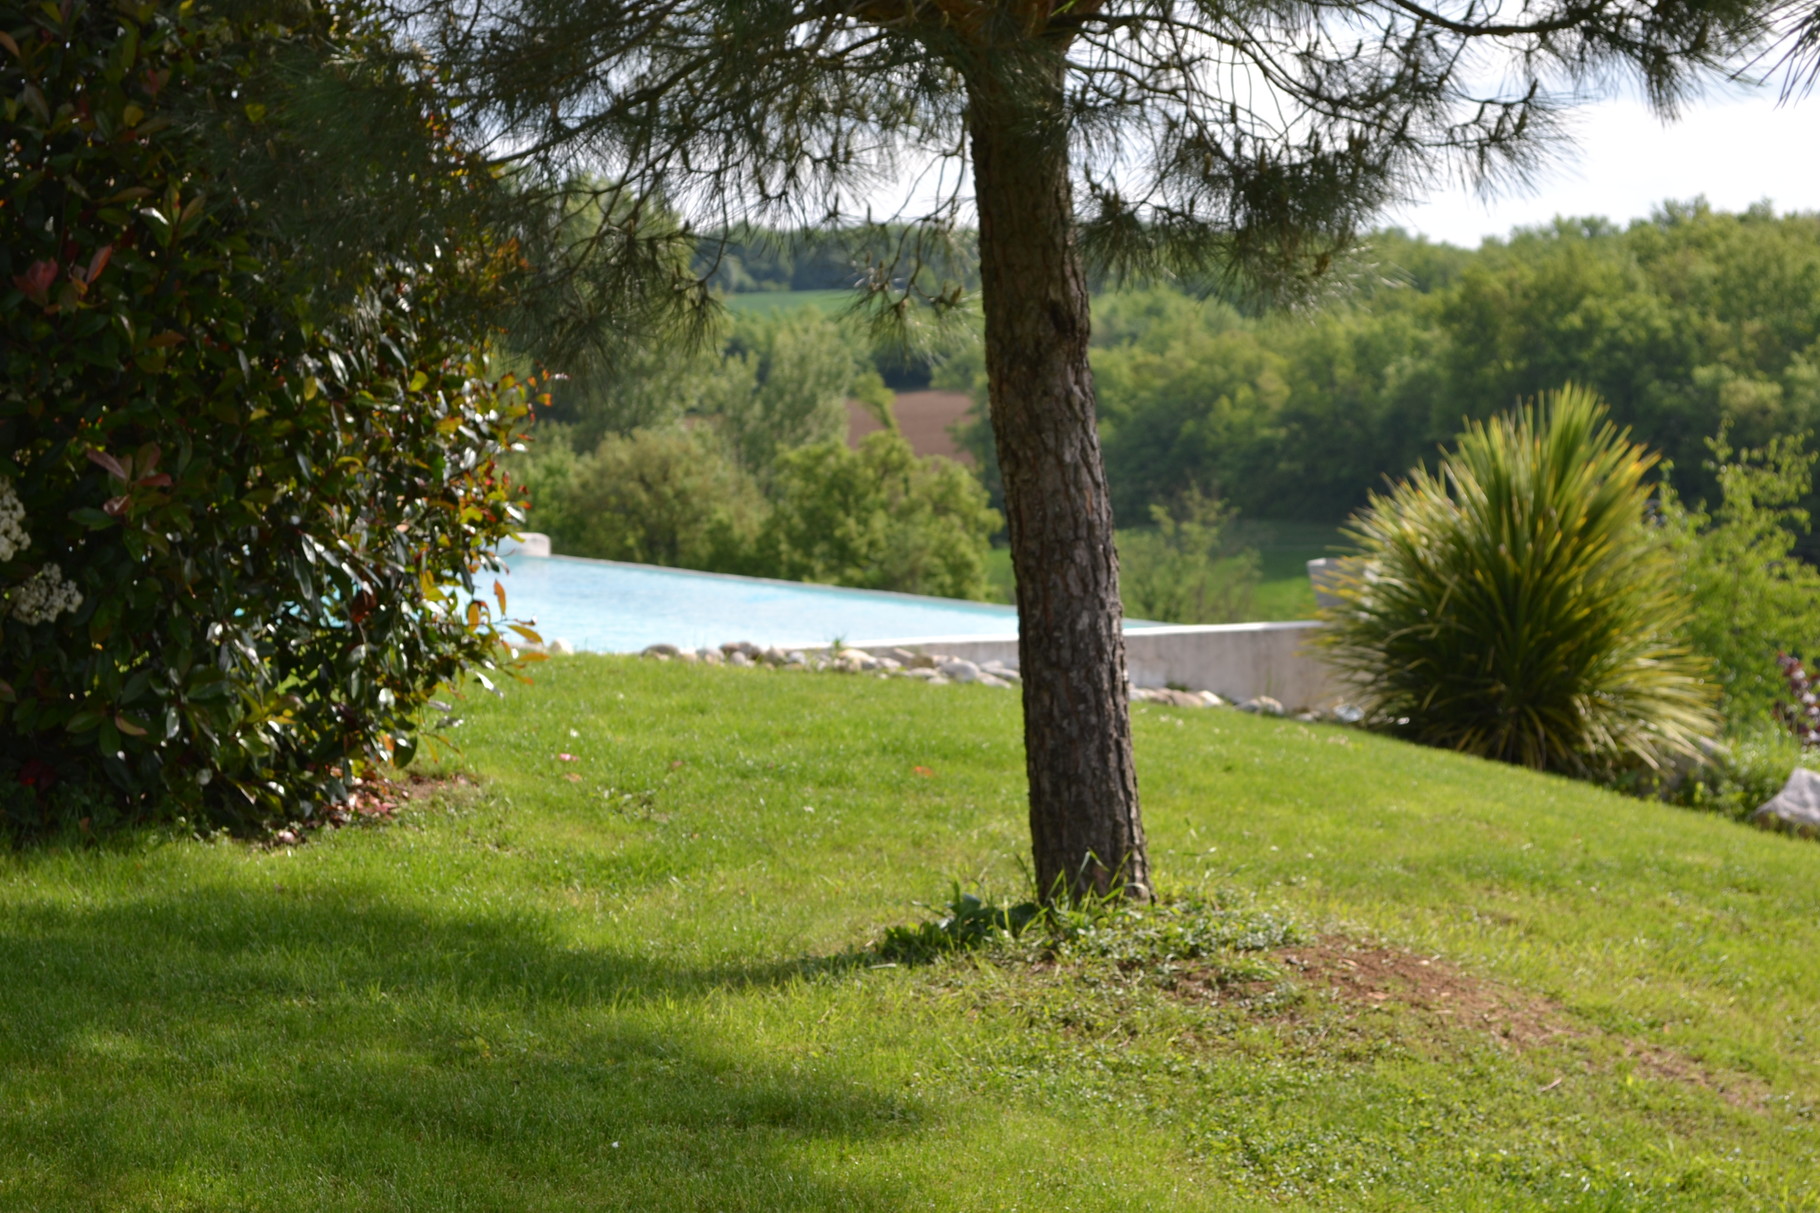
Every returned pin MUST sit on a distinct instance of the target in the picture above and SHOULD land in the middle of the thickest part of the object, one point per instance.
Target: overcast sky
(1735, 150)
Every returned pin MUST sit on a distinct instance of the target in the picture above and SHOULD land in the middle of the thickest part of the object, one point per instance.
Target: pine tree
(1176, 137)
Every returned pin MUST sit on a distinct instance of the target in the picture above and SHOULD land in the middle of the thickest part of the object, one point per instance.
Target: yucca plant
(1511, 604)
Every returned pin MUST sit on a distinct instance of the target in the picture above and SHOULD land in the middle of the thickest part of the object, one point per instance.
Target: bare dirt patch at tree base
(1356, 975)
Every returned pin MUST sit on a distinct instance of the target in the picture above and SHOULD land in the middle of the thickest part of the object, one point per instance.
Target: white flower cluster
(13, 538)
(44, 597)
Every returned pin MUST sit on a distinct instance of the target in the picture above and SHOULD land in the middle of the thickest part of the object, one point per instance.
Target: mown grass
(646, 987)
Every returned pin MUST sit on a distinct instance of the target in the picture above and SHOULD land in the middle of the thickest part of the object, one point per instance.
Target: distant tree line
(1682, 322)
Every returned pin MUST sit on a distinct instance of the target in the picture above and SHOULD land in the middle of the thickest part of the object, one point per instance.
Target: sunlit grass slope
(643, 987)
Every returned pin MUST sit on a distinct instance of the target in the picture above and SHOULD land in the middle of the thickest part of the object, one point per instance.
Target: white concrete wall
(1235, 660)
(530, 543)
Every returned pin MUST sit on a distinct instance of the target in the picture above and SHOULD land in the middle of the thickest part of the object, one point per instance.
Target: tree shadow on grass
(236, 1048)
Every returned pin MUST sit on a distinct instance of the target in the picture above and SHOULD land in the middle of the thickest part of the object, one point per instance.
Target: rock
(562, 648)
(665, 651)
(902, 656)
(991, 680)
(796, 657)
(1209, 699)
(711, 657)
(921, 661)
(922, 673)
(999, 669)
(1346, 713)
(1796, 808)
(687, 656)
(1175, 698)
(771, 656)
(861, 654)
(738, 658)
(740, 646)
(1263, 705)
(889, 664)
(957, 669)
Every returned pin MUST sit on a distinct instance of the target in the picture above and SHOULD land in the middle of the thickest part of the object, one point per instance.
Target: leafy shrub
(878, 518)
(669, 497)
(1514, 605)
(1187, 569)
(1751, 596)
(233, 508)
(1737, 777)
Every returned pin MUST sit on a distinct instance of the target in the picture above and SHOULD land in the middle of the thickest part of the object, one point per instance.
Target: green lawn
(647, 987)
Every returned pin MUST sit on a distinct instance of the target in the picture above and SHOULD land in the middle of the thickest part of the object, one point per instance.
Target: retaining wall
(1235, 660)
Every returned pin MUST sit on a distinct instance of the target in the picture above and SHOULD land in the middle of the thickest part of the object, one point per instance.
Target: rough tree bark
(1086, 833)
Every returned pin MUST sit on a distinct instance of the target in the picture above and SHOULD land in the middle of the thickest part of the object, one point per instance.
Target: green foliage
(1737, 777)
(1679, 322)
(1154, 937)
(238, 507)
(1751, 597)
(1514, 605)
(767, 381)
(970, 923)
(878, 518)
(783, 385)
(874, 518)
(669, 497)
(1188, 568)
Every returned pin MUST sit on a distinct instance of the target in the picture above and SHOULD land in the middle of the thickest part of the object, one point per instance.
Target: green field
(774, 302)
(638, 979)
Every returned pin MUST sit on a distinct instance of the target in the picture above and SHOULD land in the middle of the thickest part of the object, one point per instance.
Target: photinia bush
(236, 516)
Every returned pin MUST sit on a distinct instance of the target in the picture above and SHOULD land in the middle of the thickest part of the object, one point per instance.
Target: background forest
(1684, 324)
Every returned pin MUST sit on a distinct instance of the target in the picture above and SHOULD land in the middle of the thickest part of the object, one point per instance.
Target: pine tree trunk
(1085, 830)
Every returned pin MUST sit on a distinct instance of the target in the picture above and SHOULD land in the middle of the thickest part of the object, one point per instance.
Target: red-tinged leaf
(146, 458)
(6, 40)
(527, 658)
(128, 727)
(473, 616)
(925, 772)
(527, 633)
(36, 282)
(7, 694)
(115, 507)
(108, 464)
(160, 481)
(97, 263)
(499, 592)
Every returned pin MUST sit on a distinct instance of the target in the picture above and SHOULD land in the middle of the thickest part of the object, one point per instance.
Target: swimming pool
(604, 606)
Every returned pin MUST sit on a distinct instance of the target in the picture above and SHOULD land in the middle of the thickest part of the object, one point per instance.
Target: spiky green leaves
(1511, 603)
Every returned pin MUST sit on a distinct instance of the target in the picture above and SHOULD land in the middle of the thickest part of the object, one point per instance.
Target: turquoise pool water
(605, 607)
